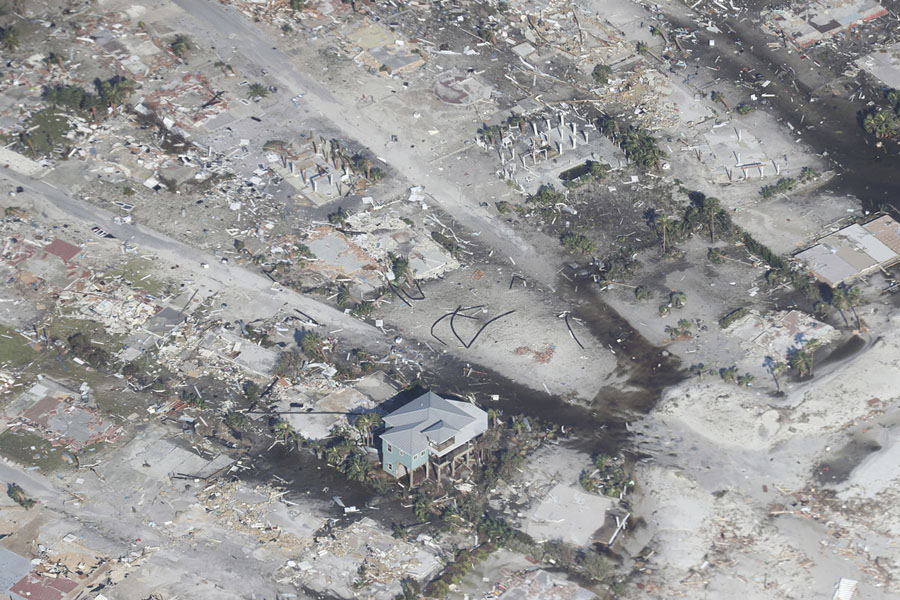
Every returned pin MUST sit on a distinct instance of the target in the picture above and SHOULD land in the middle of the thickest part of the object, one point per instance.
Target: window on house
(390, 448)
(390, 466)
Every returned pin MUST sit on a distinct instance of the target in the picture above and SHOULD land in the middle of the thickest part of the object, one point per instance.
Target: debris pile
(361, 556)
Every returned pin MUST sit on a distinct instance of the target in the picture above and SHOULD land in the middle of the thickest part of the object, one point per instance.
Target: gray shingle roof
(432, 418)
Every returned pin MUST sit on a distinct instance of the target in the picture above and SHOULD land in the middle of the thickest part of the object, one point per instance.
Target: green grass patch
(46, 131)
(137, 273)
(63, 327)
(15, 350)
(31, 450)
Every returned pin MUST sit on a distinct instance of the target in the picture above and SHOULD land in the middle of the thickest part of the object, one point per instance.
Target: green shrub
(785, 184)
(546, 196)
(17, 494)
(733, 316)
(601, 73)
(642, 293)
(577, 242)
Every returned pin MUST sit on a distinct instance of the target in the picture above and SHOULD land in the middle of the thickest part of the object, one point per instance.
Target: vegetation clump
(681, 331)
(639, 146)
(236, 420)
(289, 364)
(17, 494)
(577, 242)
(181, 46)
(257, 91)
(9, 38)
(729, 319)
(884, 121)
(81, 346)
(643, 293)
(601, 74)
(546, 196)
(596, 171)
(607, 477)
(339, 217)
(765, 253)
(784, 184)
(622, 264)
(715, 256)
(449, 245)
(110, 92)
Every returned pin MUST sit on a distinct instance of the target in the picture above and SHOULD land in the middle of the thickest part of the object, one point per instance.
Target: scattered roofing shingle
(64, 250)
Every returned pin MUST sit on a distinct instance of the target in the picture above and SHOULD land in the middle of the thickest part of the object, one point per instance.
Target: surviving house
(432, 432)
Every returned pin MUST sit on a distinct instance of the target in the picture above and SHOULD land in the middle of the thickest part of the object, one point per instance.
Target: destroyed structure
(854, 251)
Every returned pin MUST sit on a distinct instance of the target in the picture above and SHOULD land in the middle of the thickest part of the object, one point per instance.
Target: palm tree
(642, 292)
(338, 218)
(728, 374)
(316, 447)
(334, 455)
(366, 423)
(718, 97)
(400, 268)
(423, 507)
(697, 369)
(677, 299)
(362, 163)
(840, 302)
(180, 46)
(777, 368)
(357, 467)
(257, 90)
(114, 91)
(312, 344)
(9, 38)
(854, 299)
(801, 361)
(285, 431)
(711, 208)
(881, 124)
(343, 296)
(236, 420)
(745, 380)
(715, 256)
(662, 227)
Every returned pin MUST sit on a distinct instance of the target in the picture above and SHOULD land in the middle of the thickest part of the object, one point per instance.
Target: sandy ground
(731, 495)
(548, 503)
(119, 518)
(743, 494)
(531, 346)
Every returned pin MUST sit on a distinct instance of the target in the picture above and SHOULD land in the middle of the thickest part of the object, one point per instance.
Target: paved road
(222, 26)
(262, 299)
